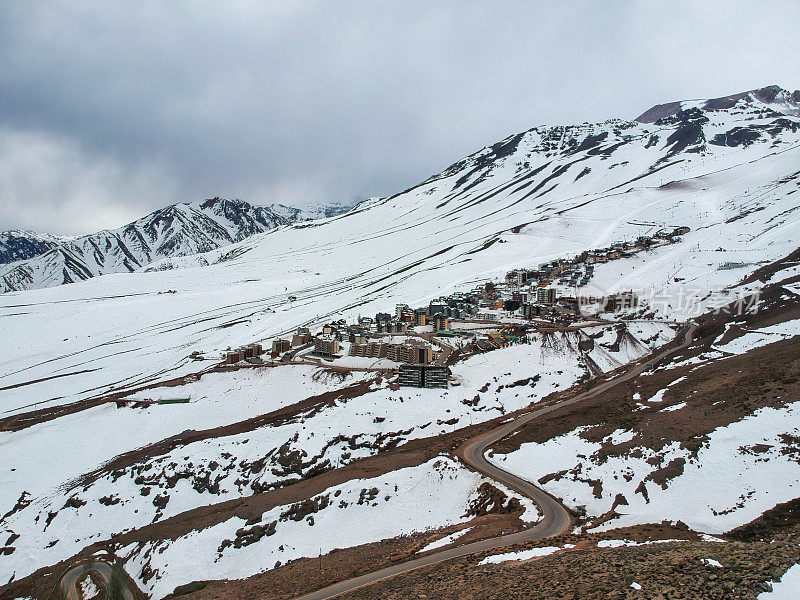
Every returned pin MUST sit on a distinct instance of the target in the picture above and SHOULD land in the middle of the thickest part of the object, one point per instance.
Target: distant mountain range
(30, 260)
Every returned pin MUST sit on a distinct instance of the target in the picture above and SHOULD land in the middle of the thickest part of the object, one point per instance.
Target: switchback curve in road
(69, 581)
(555, 518)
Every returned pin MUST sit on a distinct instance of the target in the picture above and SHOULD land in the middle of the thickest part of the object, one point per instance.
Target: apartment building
(423, 376)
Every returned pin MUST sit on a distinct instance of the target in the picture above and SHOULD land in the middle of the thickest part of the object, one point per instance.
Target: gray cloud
(148, 103)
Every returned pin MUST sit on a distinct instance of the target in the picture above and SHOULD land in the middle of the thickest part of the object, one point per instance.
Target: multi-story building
(326, 346)
(399, 309)
(280, 346)
(485, 316)
(357, 338)
(250, 351)
(441, 323)
(411, 376)
(621, 301)
(369, 350)
(397, 352)
(530, 311)
(424, 376)
(303, 336)
(437, 307)
(410, 354)
(545, 295)
(407, 316)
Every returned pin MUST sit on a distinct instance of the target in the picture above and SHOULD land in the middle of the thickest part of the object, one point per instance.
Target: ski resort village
(566, 366)
(418, 344)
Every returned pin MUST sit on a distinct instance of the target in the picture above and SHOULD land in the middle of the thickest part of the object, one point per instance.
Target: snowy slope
(743, 485)
(29, 260)
(539, 195)
(63, 512)
(433, 495)
(542, 194)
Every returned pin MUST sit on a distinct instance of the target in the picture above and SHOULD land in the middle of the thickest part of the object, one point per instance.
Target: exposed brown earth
(717, 394)
(664, 571)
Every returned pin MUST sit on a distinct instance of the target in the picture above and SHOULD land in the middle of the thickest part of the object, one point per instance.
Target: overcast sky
(111, 109)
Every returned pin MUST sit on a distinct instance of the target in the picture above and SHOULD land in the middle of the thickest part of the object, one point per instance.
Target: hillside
(288, 476)
(539, 195)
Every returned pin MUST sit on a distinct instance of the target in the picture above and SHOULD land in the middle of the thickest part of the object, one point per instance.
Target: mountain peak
(776, 97)
(209, 202)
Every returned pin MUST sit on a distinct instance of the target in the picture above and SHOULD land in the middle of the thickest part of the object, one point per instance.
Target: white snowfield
(515, 204)
(446, 540)
(785, 588)
(523, 554)
(761, 337)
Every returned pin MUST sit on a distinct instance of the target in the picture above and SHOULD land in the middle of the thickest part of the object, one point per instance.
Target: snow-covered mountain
(35, 261)
(773, 97)
(730, 174)
(16, 245)
(729, 171)
(331, 209)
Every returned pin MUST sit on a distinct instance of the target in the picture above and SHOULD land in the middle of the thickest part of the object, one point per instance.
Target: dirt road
(555, 518)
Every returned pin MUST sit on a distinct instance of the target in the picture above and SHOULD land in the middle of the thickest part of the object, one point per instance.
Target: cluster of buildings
(300, 338)
(529, 293)
(409, 351)
(492, 341)
(538, 292)
(248, 352)
(405, 317)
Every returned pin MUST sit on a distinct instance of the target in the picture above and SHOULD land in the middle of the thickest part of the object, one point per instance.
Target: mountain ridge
(524, 166)
(33, 260)
(772, 95)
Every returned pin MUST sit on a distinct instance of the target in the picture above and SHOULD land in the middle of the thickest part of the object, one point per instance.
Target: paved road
(69, 581)
(555, 518)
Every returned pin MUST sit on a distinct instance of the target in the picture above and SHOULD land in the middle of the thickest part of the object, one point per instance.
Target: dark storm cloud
(108, 110)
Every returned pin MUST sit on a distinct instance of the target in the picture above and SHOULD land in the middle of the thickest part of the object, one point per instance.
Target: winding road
(69, 581)
(555, 518)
